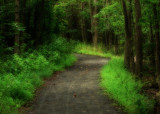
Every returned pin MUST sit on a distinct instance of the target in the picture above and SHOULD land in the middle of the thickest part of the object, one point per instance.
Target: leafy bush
(58, 49)
(121, 86)
(21, 75)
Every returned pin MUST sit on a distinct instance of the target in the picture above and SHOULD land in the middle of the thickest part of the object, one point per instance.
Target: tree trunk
(91, 15)
(38, 24)
(94, 23)
(152, 41)
(139, 54)
(130, 17)
(17, 33)
(23, 21)
(127, 57)
(1, 23)
(157, 59)
(106, 33)
(83, 25)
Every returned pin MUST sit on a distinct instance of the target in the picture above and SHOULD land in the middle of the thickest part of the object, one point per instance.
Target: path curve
(75, 91)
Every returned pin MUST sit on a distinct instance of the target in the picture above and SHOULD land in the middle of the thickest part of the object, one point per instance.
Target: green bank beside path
(22, 74)
(119, 84)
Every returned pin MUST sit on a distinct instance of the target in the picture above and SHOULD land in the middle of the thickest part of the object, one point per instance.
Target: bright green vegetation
(120, 85)
(90, 50)
(21, 75)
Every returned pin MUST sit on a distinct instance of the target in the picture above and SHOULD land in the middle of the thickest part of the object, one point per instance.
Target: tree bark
(1, 23)
(106, 33)
(152, 41)
(91, 15)
(130, 20)
(139, 54)
(127, 17)
(23, 21)
(17, 33)
(83, 25)
(94, 21)
(157, 59)
(95, 34)
(38, 24)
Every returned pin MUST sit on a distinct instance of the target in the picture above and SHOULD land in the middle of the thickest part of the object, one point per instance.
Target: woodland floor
(74, 91)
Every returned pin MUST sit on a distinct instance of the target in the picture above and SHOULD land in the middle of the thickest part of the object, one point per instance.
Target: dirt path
(75, 91)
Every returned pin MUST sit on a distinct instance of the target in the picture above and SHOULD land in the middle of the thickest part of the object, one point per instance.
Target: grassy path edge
(118, 83)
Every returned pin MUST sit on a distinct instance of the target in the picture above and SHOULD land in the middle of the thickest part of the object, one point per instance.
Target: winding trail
(75, 91)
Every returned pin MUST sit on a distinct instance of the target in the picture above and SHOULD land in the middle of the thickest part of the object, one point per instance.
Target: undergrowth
(21, 75)
(120, 85)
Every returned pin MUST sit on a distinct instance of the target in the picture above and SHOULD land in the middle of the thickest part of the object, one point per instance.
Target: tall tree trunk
(83, 25)
(139, 54)
(38, 24)
(127, 17)
(94, 23)
(23, 21)
(152, 41)
(91, 15)
(106, 32)
(17, 33)
(157, 59)
(1, 23)
(130, 20)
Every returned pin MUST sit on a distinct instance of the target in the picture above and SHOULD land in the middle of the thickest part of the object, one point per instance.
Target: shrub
(22, 74)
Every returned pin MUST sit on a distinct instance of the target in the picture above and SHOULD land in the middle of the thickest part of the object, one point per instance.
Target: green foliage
(21, 75)
(90, 50)
(60, 12)
(67, 13)
(111, 18)
(120, 85)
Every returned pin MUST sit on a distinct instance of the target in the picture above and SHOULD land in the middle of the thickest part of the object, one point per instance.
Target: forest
(41, 37)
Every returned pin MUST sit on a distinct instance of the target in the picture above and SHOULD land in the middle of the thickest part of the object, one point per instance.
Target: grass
(118, 83)
(90, 50)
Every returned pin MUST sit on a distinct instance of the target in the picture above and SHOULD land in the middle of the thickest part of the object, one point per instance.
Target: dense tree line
(24, 23)
(129, 25)
(134, 23)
